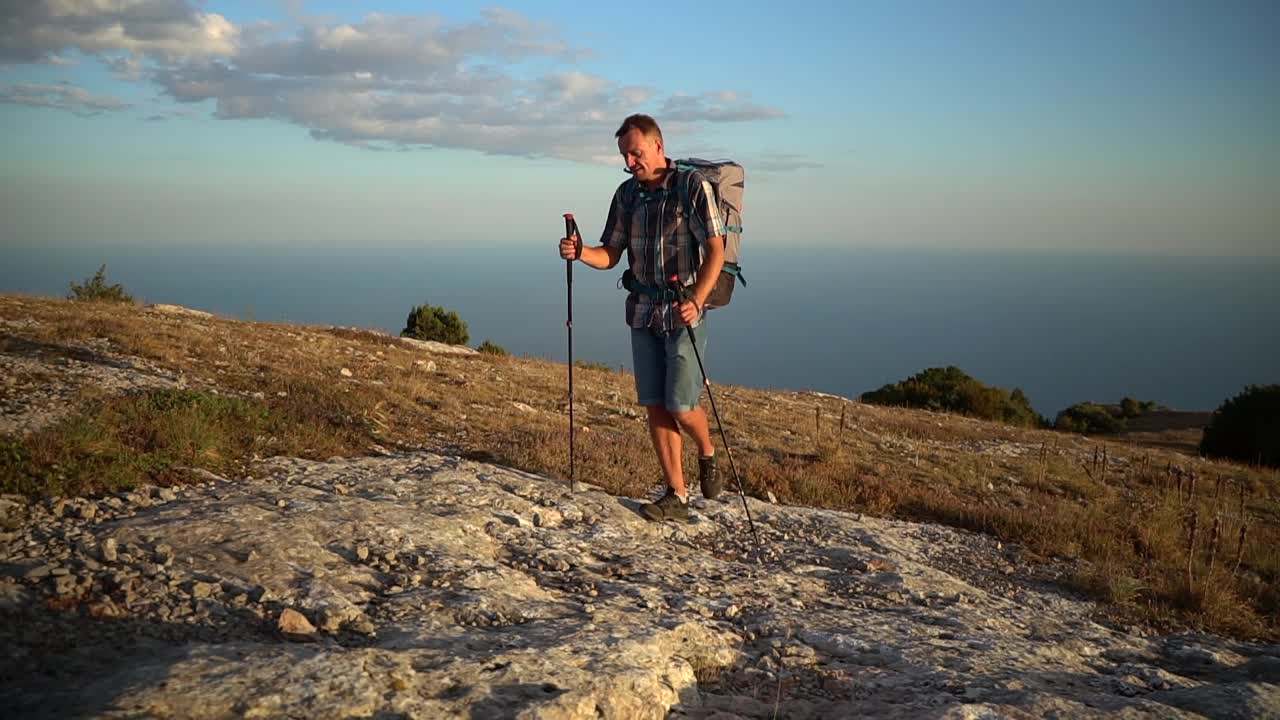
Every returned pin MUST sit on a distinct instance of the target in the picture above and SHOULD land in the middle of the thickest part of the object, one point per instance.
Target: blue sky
(1136, 127)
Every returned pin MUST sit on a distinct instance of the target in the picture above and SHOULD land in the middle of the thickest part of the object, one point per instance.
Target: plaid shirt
(662, 238)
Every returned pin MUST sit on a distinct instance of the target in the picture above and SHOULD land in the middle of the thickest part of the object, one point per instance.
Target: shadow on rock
(507, 701)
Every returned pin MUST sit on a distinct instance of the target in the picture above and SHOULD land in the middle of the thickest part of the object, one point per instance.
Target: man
(667, 222)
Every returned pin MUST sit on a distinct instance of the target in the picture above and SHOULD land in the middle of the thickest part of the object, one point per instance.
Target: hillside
(409, 500)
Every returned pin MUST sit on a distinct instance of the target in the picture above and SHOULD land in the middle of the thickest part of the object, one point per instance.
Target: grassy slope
(1128, 520)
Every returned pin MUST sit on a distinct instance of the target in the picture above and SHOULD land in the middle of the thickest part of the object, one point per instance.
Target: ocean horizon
(1185, 332)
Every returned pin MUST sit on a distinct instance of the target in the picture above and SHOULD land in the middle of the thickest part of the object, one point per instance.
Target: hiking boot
(667, 507)
(708, 478)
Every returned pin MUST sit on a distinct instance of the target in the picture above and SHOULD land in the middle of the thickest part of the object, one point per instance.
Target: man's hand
(570, 248)
(689, 311)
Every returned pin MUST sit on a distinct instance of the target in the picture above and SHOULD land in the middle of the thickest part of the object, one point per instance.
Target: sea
(1186, 332)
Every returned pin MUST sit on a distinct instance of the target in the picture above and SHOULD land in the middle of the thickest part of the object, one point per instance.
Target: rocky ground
(420, 585)
(424, 585)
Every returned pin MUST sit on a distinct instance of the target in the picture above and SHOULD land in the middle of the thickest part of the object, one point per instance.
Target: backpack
(727, 179)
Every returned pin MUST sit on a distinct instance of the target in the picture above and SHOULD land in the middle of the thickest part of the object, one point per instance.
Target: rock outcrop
(419, 585)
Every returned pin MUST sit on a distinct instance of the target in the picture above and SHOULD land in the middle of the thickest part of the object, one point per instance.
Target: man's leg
(684, 385)
(684, 388)
(648, 354)
(665, 433)
(694, 422)
(650, 365)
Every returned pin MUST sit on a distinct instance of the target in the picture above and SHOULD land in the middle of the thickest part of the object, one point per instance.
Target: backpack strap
(682, 187)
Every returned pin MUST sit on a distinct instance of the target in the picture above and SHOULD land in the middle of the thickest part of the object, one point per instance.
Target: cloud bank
(61, 97)
(502, 83)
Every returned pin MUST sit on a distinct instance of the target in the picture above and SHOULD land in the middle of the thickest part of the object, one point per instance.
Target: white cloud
(62, 96)
(168, 29)
(125, 67)
(721, 106)
(385, 81)
(781, 162)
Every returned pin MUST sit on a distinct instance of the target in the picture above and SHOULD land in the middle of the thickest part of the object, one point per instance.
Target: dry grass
(1126, 521)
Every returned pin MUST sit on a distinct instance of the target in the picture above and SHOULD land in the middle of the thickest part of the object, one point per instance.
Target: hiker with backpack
(667, 219)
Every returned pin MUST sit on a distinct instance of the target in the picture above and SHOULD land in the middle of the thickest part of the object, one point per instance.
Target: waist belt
(657, 294)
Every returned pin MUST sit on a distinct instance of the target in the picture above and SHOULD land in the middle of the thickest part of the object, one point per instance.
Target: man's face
(643, 155)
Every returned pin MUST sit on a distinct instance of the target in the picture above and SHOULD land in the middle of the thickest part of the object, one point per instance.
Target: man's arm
(709, 271)
(612, 242)
(601, 257)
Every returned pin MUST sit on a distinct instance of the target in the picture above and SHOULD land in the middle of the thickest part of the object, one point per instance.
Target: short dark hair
(645, 124)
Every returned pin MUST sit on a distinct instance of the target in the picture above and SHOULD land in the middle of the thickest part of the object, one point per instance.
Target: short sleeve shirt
(663, 238)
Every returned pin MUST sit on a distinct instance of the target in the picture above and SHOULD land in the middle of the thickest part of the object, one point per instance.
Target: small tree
(1088, 418)
(1129, 407)
(489, 348)
(96, 289)
(1246, 427)
(428, 322)
(950, 389)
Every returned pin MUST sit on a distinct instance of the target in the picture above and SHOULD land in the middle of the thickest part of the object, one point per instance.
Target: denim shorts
(666, 369)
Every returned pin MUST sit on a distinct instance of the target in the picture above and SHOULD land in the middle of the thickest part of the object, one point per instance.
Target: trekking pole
(683, 293)
(570, 231)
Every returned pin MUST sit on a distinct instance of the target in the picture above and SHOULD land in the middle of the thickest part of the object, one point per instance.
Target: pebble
(204, 589)
(292, 622)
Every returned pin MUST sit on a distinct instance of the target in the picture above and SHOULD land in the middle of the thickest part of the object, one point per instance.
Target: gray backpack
(727, 179)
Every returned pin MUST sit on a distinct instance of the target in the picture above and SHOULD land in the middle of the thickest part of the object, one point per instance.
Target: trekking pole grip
(571, 231)
(569, 227)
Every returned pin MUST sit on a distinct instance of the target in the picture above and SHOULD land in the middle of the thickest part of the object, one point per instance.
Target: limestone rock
(437, 348)
(109, 550)
(178, 310)
(520, 598)
(292, 622)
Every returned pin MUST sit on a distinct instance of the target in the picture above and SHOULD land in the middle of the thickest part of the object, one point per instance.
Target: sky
(1118, 126)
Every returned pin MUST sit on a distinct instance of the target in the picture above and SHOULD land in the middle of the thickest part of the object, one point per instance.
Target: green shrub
(428, 322)
(96, 289)
(1089, 419)
(1130, 408)
(489, 348)
(1246, 427)
(949, 389)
